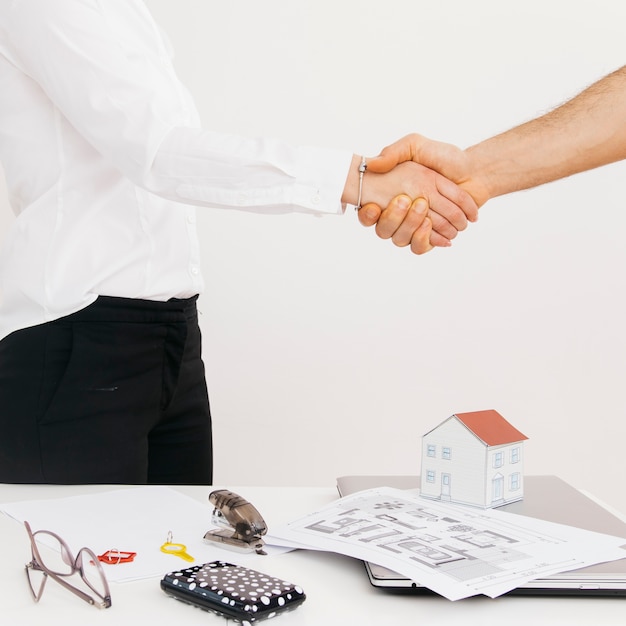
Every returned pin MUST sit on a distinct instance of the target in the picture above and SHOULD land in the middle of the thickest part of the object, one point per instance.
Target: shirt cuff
(321, 176)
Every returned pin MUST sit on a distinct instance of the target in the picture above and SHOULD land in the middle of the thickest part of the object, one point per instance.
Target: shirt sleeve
(104, 65)
(220, 170)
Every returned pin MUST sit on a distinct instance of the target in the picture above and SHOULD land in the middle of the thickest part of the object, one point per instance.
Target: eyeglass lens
(91, 572)
(54, 553)
(55, 556)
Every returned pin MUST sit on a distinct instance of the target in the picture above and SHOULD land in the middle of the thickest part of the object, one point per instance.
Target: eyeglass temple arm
(81, 594)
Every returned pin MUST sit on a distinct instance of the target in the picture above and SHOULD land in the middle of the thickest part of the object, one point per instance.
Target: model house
(473, 458)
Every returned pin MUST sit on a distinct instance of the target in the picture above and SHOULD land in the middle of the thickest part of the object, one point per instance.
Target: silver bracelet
(362, 168)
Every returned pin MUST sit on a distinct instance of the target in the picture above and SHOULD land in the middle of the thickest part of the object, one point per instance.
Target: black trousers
(115, 393)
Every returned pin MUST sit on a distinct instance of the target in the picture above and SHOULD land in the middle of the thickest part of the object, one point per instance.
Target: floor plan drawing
(455, 550)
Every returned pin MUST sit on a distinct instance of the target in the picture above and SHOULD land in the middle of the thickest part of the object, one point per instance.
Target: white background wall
(330, 352)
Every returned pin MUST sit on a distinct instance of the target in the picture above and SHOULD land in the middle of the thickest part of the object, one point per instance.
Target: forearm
(586, 132)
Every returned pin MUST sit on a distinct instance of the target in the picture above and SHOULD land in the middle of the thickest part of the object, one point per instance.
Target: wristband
(362, 168)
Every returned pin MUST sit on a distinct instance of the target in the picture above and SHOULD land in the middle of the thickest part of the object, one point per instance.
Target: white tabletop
(337, 588)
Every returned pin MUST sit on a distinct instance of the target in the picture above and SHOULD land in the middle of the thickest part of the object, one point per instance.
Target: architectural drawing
(457, 551)
(457, 548)
(473, 458)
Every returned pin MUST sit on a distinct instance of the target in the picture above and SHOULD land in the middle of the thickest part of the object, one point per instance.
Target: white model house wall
(504, 476)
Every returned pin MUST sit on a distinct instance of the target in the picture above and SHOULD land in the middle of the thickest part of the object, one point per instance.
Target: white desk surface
(337, 588)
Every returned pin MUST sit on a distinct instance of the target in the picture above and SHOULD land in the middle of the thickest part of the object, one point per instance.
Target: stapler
(244, 524)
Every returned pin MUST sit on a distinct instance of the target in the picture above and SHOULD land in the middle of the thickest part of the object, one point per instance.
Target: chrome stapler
(244, 524)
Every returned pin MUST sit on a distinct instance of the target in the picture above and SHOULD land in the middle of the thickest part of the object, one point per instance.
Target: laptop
(545, 497)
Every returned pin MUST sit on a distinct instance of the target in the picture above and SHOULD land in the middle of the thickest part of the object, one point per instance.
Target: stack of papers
(454, 550)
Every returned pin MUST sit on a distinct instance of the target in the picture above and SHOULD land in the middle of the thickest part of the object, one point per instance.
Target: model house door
(498, 488)
(445, 486)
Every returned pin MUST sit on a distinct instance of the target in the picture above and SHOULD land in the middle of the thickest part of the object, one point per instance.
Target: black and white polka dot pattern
(235, 591)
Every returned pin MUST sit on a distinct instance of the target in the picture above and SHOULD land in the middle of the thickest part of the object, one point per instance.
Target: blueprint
(454, 550)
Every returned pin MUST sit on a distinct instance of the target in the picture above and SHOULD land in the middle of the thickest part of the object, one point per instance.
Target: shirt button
(242, 198)
(195, 271)
(315, 199)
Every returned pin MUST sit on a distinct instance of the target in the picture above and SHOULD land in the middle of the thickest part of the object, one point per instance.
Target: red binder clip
(113, 557)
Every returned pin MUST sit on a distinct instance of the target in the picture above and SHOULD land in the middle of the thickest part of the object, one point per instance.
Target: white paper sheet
(453, 550)
(131, 519)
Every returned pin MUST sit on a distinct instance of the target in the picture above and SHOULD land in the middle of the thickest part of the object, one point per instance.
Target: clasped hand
(431, 209)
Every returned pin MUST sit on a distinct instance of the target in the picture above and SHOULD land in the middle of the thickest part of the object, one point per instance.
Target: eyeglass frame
(37, 564)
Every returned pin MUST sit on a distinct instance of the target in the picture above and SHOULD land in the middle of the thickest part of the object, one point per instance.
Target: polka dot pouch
(233, 591)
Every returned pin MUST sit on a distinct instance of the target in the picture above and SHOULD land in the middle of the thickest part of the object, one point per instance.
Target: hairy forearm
(586, 132)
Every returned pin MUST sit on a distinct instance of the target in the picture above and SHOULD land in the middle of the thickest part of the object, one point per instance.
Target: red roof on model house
(490, 427)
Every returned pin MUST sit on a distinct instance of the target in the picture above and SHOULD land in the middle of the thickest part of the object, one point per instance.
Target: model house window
(498, 459)
(446, 453)
(515, 481)
(432, 450)
(514, 455)
(430, 476)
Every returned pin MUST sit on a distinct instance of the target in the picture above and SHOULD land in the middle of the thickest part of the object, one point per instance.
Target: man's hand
(585, 132)
(447, 159)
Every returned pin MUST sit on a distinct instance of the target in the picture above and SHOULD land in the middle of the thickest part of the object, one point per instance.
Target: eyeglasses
(61, 565)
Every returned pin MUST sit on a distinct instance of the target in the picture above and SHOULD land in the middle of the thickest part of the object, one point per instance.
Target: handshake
(441, 186)
(436, 194)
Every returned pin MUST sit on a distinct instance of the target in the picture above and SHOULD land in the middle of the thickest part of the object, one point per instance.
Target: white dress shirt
(105, 162)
